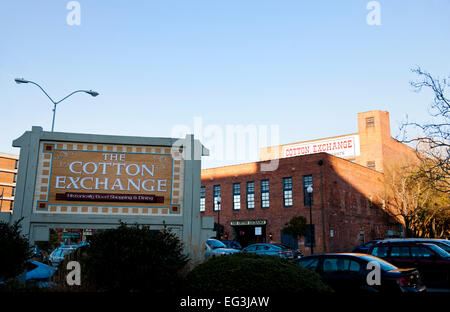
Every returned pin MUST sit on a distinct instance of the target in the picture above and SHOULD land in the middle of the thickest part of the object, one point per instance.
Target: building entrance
(249, 232)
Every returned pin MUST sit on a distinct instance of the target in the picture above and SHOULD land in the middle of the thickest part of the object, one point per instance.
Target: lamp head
(309, 189)
(93, 93)
(20, 80)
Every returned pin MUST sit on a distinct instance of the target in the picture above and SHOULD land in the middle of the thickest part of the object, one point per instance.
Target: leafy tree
(296, 227)
(15, 250)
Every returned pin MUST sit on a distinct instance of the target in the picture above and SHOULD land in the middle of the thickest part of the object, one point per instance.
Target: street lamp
(90, 92)
(218, 234)
(310, 190)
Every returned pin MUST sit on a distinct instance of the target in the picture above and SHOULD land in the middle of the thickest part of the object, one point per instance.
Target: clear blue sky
(307, 66)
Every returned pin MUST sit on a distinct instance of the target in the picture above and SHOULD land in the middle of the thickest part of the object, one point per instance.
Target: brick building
(8, 176)
(346, 205)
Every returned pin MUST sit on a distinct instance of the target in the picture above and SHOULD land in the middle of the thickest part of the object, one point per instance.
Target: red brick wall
(347, 188)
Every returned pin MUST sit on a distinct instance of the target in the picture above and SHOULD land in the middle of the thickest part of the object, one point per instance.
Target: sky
(304, 67)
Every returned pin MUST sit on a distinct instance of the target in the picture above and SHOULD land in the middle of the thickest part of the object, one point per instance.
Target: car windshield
(441, 252)
(216, 244)
(443, 246)
(384, 265)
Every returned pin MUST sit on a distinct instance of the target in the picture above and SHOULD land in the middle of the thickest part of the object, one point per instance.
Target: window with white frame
(216, 197)
(236, 196)
(250, 195)
(287, 192)
(265, 202)
(202, 199)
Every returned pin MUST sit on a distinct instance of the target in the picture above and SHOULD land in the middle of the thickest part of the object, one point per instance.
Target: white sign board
(347, 146)
(258, 230)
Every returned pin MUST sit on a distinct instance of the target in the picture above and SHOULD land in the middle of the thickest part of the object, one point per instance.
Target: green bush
(15, 250)
(133, 258)
(249, 273)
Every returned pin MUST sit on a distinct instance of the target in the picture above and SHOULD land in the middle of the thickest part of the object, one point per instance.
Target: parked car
(37, 274)
(443, 243)
(348, 272)
(297, 252)
(214, 247)
(432, 261)
(232, 244)
(59, 253)
(270, 250)
(365, 247)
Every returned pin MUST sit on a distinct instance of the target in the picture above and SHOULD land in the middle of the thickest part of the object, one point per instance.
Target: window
(338, 265)
(250, 195)
(216, 197)
(237, 196)
(308, 198)
(13, 191)
(202, 199)
(287, 192)
(421, 252)
(354, 266)
(400, 252)
(265, 194)
(370, 122)
(371, 165)
(380, 252)
(16, 164)
(309, 263)
(15, 178)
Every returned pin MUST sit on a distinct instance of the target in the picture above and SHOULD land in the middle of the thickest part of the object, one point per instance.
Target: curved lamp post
(90, 92)
(310, 190)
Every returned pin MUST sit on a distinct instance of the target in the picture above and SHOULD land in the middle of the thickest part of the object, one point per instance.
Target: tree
(296, 227)
(433, 138)
(15, 250)
(409, 197)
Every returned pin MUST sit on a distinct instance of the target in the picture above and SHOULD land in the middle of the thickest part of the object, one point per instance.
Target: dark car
(269, 250)
(443, 243)
(365, 247)
(348, 273)
(296, 252)
(232, 244)
(432, 261)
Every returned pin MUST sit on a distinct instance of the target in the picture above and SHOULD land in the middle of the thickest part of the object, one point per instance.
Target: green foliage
(296, 227)
(132, 258)
(15, 250)
(250, 273)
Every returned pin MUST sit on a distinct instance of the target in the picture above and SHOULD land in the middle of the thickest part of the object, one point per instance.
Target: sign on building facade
(346, 147)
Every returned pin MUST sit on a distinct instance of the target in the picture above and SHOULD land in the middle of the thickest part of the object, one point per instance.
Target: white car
(59, 253)
(214, 247)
